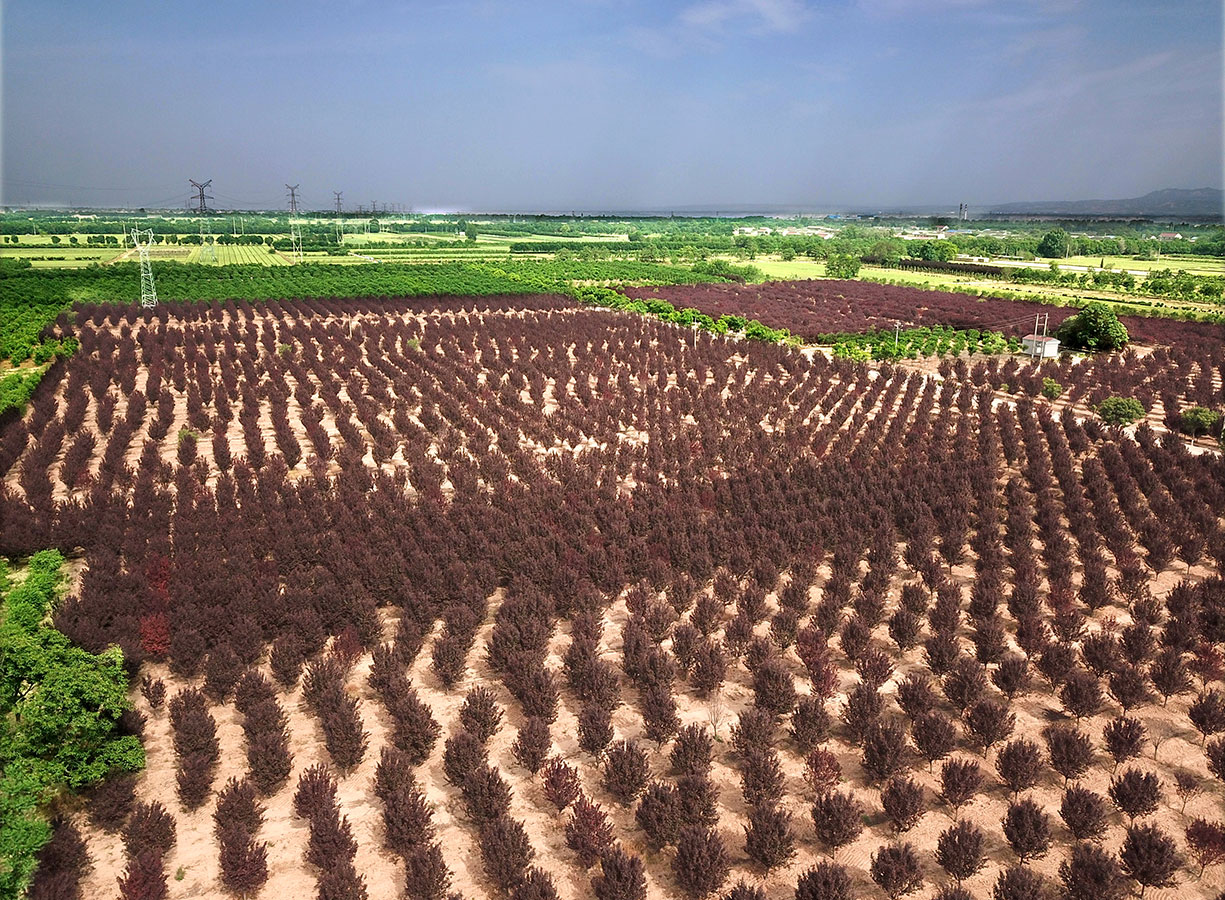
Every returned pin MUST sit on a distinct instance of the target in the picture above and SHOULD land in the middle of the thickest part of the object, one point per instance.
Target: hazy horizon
(610, 105)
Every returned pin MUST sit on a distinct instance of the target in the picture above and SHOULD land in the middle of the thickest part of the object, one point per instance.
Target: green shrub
(1120, 410)
(59, 713)
(1051, 388)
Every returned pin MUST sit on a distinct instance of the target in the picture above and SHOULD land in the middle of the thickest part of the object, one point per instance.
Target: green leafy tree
(842, 265)
(59, 712)
(1054, 244)
(1197, 420)
(1120, 410)
(1051, 388)
(1096, 327)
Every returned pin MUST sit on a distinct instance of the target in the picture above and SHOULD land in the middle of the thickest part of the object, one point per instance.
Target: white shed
(1036, 345)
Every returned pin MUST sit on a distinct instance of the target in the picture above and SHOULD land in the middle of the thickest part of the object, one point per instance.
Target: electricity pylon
(148, 294)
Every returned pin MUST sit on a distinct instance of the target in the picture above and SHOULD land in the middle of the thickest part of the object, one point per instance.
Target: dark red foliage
(959, 850)
(1027, 829)
(486, 794)
(838, 819)
(505, 851)
(533, 744)
(701, 864)
(768, 839)
(625, 770)
(659, 815)
(896, 868)
(341, 881)
(1019, 764)
(692, 752)
(108, 804)
(588, 832)
(62, 862)
(480, 714)
(1092, 874)
(1206, 841)
(824, 881)
(960, 781)
(330, 841)
(244, 862)
(426, 876)
(622, 877)
(1135, 792)
(238, 807)
(316, 792)
(761, 778)
(144, 878)
(1084, 812)
(154, 691)
(904, 803)
(1069, 750)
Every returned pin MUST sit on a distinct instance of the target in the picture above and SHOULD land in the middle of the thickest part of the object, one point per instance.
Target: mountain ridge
(1166, 202)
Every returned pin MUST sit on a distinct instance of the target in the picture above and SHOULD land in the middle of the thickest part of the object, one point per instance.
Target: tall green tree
(1054, 244)
(1096, 327)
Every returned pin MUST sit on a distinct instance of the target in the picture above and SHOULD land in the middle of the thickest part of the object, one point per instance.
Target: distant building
(1036, 345)
(1169, 236)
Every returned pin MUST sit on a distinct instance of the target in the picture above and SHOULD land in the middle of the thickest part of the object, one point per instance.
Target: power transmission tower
(293, 197)
(338, 196)
(295, 240)
(148, 294)
(206, 247)
(201, 199)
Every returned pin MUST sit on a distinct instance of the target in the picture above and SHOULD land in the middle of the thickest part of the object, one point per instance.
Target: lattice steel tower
(148, 293)
(201, 199)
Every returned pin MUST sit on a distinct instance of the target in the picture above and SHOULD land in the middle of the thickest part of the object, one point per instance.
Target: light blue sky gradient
(610, 104)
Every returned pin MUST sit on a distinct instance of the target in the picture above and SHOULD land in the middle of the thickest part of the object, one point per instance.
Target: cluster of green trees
(689, 318)
(913, 343)
(1181, 285)
(16, 388)
(1106, 280)
(59, 717)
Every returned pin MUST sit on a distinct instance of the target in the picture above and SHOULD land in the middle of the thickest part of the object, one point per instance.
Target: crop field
(62, 256)
(1187, 369)
(489, 594)
(810, 308)
(236, 255)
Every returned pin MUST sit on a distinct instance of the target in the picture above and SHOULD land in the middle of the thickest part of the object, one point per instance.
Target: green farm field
(1196, 265)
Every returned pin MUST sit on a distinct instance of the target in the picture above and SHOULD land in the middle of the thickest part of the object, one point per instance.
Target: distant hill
(1170, 202)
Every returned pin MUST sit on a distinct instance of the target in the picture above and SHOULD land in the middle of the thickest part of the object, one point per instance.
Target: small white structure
(1037, 345)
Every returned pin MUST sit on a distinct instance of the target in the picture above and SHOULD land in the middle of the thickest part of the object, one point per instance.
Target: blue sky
(610, 104)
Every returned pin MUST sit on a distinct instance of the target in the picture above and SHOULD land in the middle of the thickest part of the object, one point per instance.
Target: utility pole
(293, 197)
(201, 199)
(148, 294)
(338, 195)
(897, 334)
